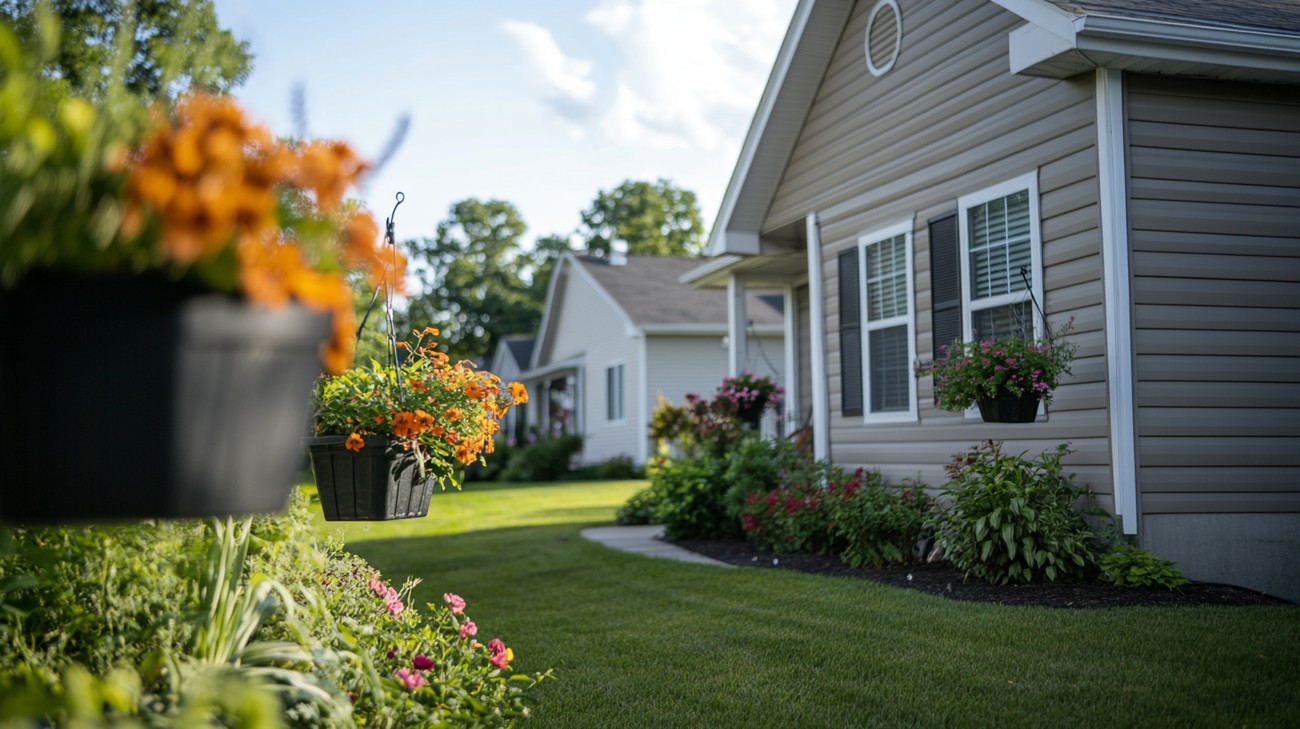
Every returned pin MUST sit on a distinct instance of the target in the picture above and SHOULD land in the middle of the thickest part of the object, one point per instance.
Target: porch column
(737, 345)
(821, 421)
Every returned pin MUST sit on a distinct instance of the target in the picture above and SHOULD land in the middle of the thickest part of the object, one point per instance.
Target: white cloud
(569, 88)
(692, 70)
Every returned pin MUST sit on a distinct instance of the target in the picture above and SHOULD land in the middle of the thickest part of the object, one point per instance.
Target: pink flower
(456, 602)
(423, 663)
(501, 655)
(395, 607)
(377, 585)
(468, 629)
(410, 679)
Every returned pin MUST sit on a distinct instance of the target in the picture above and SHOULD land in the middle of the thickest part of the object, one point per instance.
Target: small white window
(888, 324)
(614, 393)
(1002, 263)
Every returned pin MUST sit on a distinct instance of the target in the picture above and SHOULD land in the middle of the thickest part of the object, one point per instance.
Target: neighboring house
(617, 334)
(1141, 160)
(511, 358)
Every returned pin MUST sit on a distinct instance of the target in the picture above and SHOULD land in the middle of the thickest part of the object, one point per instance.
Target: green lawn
(640, 642)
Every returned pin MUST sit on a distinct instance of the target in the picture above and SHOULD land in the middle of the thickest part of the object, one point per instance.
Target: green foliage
(642, 508)
(1009, 519)
(545, 459)
(872, 524)
(757, 466)
(1128, 566)
(171, 45)
(789, 519)
(472, 270)
(133, 625)
(970, 371)
(691, 494)
(653, 219)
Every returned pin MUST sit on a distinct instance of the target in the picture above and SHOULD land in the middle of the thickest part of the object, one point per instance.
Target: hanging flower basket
(173, 402)
(379, 481)
(1009, 407)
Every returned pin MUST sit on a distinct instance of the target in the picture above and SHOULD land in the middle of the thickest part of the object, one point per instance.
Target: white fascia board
(1044, 15)
(572, 363)
(1031, 45)
(722, 240)
(538, 346)
(714, 267)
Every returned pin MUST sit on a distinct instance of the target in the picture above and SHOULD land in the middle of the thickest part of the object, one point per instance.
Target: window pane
(890, 375)
(1000, 245)
(1003, 321)
(887, 278)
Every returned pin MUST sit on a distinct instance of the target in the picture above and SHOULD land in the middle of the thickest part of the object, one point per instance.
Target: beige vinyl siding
(948, 120)
(1214, 223)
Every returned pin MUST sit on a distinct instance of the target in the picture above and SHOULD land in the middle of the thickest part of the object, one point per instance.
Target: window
(614, 393)
(888, 324)
(1001, 260)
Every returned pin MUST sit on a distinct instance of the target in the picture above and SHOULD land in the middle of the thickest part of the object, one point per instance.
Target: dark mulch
(943, 579)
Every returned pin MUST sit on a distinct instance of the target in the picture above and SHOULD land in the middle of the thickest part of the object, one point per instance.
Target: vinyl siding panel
(1215, 236)
(590, 328)
(950, 120)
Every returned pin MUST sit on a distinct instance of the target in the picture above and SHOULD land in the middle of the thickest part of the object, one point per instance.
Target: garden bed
(946, 580)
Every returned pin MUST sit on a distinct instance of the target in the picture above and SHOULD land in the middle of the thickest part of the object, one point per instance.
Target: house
(513, 354)
(618, 333)
(1139, 160)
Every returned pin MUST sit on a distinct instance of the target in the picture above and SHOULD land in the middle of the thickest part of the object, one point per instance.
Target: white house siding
(708, 364)
(950, 119)
(590, 328)
(1215, 236)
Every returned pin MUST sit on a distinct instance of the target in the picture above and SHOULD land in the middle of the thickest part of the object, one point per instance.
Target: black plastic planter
(139, 398)
(1009, 407)
(377, 483)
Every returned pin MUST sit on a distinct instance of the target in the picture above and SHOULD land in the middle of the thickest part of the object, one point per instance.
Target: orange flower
(354, 442)
(404, 425)
(518, 393)
(453, 413)
(423, 420)
(463, 454)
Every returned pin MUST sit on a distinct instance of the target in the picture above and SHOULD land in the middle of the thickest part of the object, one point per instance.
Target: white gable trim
(548, 310)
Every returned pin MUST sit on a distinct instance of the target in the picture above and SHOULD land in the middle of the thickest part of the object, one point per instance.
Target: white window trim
(1028, 181)
(964, 204)
(867, 326)
(622, 392)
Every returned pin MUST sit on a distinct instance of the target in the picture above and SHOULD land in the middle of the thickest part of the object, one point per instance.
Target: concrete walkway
(644, 540)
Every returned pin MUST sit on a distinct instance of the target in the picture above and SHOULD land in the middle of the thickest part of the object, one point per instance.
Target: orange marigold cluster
(215, 181)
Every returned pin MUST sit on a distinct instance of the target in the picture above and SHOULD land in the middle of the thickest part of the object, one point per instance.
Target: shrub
(758, 466)
(1011, 519)
(1128, 566)
(619, 468)
(789, 519)
(170, 623)
(545, 459)
(691, 494)
(642, 508)
(873, 525)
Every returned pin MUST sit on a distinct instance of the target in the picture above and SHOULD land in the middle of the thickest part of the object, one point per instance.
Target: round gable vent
(884, 36)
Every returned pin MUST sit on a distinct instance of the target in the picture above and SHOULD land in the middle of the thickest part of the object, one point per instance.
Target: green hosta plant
(1128, 566)
(1010, 519)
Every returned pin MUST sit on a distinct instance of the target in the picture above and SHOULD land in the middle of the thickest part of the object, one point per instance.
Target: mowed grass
(640, 642)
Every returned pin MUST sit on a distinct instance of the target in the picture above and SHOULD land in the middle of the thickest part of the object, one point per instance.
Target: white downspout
(821, 420)
(1112, 176)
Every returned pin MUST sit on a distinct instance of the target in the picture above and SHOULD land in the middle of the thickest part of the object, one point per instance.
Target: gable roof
(1256, 40)
(521, 348)
(646, 293)
(648, 289)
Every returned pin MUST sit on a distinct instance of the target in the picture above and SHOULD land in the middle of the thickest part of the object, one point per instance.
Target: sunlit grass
(640, 642)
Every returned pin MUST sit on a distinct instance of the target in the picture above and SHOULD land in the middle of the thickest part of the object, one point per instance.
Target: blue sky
(542, 104)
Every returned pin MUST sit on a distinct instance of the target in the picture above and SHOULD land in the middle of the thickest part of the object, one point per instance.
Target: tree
(471, 272)
(177, 44)
(541, 261)
(655, 219)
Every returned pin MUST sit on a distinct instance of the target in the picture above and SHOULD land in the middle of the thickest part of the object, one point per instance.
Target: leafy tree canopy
(473, 275)
(656, 219)
(177, 44)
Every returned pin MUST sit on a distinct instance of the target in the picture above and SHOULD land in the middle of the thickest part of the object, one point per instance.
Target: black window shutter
(850, 335)
(945, 281)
